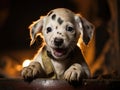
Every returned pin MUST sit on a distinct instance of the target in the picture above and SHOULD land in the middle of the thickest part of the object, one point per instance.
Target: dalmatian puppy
(59, 57)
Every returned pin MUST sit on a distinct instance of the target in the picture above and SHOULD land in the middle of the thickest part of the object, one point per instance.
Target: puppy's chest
(59, 67)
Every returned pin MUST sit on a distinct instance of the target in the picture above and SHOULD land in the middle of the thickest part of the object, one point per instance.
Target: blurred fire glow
(18, 67)
(26, 63)
(79, 42)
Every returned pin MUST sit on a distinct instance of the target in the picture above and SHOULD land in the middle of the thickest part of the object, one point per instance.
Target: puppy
(59, 57)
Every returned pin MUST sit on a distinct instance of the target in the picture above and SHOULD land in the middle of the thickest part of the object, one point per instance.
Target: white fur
(61, 29)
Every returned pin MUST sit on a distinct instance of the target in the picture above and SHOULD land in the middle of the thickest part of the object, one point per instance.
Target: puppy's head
(61, 29)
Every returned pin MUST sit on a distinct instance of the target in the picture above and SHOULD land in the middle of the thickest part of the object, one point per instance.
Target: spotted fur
(60, 29)
(53, 16)
(59, 20)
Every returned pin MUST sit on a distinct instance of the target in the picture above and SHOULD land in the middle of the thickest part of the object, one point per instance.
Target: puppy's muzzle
(58, 42)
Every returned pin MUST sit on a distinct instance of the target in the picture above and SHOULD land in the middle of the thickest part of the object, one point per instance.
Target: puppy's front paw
(73, 73)
(32, 71)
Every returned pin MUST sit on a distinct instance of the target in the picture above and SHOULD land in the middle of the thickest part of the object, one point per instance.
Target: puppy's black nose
(58, 41)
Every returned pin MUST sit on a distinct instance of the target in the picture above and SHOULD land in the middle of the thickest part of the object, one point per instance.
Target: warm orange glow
(18, 67)
(26, 63)
(79, 42)
(88, 52)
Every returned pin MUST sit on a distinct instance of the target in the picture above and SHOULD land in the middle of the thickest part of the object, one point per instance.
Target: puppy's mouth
(59, 52)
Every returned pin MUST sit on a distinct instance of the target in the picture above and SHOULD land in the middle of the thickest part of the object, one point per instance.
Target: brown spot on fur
(32, 31)
(74, 69)
(87, 27)
(56, 27)
(92, 27)
(53, 16)
(60, 21)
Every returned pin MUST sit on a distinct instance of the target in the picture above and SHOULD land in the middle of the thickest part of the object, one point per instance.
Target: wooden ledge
(45, 84)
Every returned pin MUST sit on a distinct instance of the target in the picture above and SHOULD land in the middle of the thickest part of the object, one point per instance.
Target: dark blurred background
(102, 55)
(16, 16)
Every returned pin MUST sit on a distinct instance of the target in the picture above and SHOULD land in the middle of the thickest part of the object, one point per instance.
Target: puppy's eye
(49, 29)
(69, 28)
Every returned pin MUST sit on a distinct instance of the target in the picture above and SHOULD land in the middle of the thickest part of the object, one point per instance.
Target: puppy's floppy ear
(35, 28)
(85, 27)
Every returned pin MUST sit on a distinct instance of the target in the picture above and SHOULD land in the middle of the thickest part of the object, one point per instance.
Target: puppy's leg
(32, 71)
(74, 73)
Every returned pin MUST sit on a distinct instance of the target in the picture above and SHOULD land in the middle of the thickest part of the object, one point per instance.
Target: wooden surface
(42, 84)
